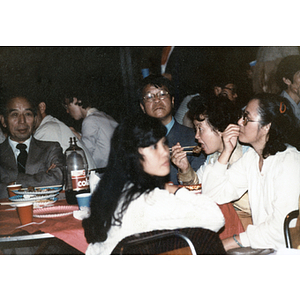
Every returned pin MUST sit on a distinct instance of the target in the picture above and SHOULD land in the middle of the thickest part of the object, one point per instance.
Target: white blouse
(162, 210)
(273, 192)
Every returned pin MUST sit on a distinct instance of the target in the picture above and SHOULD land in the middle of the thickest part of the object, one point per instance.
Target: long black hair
(285, 129)
(124, 171)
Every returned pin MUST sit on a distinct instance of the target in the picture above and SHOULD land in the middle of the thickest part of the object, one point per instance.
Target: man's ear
(267, 127)
(2, 121)
(42, 107)
(142, 107)
(217, 90)
(286, 81)
(172, 101)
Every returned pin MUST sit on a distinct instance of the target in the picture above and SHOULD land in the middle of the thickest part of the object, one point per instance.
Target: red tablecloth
(233, 224)
(66, 228)
(70, 230)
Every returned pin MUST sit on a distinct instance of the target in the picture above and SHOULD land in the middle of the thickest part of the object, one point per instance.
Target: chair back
(172, 242)
(292, 235)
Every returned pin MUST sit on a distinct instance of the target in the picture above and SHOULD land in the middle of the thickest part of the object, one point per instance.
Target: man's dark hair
(87, 92)
(158, 81)
(8, 95)
(287, 68)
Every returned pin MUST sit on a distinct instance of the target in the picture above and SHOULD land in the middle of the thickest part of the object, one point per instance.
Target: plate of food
(38, 190)
(195, 188)
(36, 203)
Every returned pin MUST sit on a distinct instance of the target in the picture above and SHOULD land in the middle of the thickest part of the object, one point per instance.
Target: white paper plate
(36, 203)
(20, 198)
(54, 211)
(52, 190)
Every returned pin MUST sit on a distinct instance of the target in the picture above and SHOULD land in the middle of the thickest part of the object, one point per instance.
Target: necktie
(22, 157)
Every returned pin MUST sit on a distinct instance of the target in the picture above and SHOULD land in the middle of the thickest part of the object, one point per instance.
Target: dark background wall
(115, 72)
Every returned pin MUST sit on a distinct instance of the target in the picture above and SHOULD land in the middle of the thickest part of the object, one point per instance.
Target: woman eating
(134, 196)
(269, 170)
(210, 117)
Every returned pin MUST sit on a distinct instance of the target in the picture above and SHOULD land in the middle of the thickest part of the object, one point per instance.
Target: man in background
(288, 78)
(49, 128)
(23, 159)
(157, 100)
(97, 126)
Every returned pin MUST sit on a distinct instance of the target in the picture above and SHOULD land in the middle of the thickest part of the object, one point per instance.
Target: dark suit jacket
(41, 155)
(186, 137)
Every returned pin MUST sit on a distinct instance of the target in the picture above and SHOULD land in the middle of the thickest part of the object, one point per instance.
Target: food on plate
(195, 187)
(30, 189)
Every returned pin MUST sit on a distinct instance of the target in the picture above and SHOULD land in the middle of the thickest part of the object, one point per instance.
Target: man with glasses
(157, 100)
(226, 87)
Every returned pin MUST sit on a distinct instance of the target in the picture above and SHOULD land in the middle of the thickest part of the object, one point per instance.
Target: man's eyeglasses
(246, 119)
(233, 90)
(161, 95)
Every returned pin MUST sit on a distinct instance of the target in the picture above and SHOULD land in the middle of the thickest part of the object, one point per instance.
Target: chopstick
(185, 147)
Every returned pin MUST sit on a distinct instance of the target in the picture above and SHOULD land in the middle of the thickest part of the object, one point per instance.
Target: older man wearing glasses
(157, 100)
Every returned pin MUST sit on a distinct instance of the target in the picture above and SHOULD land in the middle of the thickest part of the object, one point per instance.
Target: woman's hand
(179, 158)
(230, 243)
(230, 137)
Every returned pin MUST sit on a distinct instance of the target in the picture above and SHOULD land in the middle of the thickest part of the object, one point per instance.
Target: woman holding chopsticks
(269, 170)
(134, 196)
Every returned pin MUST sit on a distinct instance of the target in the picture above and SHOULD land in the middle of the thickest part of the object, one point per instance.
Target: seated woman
(210, 117)
(269, 170)
(133, 195)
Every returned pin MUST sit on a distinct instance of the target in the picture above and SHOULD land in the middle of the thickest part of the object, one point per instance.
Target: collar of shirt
(170, 125)
(91, 110)
(14, 144)
(295, 106)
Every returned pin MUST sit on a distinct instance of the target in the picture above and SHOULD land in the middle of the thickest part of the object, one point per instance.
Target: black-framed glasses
(161, 95)
(246, 119)
(233, 90)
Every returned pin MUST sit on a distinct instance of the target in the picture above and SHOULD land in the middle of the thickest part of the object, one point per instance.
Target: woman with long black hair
(134, 196)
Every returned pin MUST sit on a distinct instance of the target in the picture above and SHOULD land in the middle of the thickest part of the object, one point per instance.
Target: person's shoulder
(182, 128)
(183, 131)
(290, 150)
(52, 123)
(97, 118)
(44, 144)
(4, 143)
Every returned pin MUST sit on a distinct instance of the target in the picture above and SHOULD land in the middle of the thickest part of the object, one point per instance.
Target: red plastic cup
(25, 213)
(11, 188)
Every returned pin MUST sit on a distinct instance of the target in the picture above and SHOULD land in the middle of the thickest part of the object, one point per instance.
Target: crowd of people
(250, 156)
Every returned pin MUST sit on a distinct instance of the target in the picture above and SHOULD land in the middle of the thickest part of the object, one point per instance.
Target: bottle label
(79, 180)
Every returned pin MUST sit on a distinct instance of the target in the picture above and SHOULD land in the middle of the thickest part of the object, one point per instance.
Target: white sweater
(273, 192)
(162, 210)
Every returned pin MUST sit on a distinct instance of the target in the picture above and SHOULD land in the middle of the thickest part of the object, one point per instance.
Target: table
(65, 228)
(69, 229)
